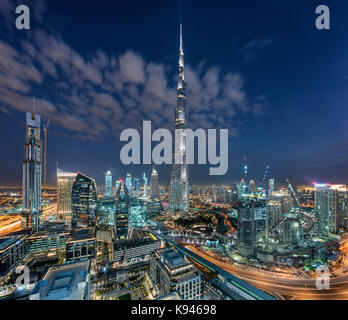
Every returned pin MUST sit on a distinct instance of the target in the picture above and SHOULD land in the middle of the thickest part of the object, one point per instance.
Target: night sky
(257, 67)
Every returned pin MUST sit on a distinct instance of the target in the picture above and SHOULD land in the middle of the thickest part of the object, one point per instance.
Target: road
(296, 288)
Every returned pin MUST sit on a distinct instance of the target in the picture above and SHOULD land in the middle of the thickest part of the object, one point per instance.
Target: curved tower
(179, 186)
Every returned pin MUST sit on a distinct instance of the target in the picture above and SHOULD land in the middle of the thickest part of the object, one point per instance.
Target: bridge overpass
(240, 288)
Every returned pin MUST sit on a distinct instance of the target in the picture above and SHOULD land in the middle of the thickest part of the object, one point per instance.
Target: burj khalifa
(179, 184)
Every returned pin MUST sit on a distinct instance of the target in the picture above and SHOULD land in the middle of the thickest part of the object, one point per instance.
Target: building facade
(84, 202)
(122, 208)
(65, 181)
(179, 182)
(32, 171)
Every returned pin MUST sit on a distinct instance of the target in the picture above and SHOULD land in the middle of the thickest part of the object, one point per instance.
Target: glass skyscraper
(83, 202)
(179, 184)
(32, 207)
(122, 206)
(154, 184)
(65, 181)
(108, 183)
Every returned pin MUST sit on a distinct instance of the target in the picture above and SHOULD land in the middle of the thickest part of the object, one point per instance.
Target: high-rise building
(84, 202)
(292, 232)
(32, 207)
(274, 212)
(122, 208)
(136, 185)
(179, 183)
(65, 181)
(117, 184)
(108, 183)
(252, 225)
(154, 184)
(129, 184)
(330, 208)
(271, 185)
(145, 185)
(170, 272)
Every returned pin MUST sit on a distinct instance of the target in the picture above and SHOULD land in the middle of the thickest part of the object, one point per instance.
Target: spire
(181, 47)
(181, 59)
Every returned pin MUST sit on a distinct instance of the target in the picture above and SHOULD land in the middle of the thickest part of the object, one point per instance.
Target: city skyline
(278, 120)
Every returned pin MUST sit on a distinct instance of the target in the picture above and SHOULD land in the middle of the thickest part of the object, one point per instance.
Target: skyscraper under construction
(179, 185)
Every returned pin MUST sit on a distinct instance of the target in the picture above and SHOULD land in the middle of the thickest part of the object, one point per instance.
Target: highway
(298, 289)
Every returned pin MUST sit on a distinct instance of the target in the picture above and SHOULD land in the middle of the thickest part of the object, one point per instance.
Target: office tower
(108, 183)
(330, 208)
(65, 181)
(117, 184)
(83, 202)
(32, 208)
(179, 184)
(252, 226)
(154, 184)
(274, 212)
(325, 204)
(137, 214)
(129, 184)
(292, 233)
(170, 272)
(246, 234)
(136, 185)
(122, 206)
(271, 184)
(145, 185)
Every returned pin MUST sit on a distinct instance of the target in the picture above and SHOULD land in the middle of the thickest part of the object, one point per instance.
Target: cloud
(96, 97)
(255, 47)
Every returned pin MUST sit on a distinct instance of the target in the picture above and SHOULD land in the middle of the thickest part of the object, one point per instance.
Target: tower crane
(293, 193)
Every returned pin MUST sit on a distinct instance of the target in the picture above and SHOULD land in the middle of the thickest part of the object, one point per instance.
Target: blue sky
(259, 68)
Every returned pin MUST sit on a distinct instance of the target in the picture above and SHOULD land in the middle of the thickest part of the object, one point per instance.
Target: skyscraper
(108, 183)
(330, 208)
(154, 184)
(179, 185)
(83, 202)
(32, 210)
(129, 183)
(145, 185)
(65, 181)
(117, 184)
(122, 208)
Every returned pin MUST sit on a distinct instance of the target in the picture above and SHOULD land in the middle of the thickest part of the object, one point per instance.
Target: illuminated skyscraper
(129, 183)
(179, 184)
(117, 184)
(271, 184)
(84, 202)
(122, 210)
(65, 181)
(108, 183)
(145, 185)
(154, 184)
(330, 208)
(32, 210)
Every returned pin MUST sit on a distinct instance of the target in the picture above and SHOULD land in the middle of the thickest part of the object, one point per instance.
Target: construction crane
(245, 169)
(265, 175)
(293, 193)
(45, 151)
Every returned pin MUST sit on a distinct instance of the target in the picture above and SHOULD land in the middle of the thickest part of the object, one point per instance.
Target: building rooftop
(172, 258)
(82, 234)
(66, 282)
(7, 241)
